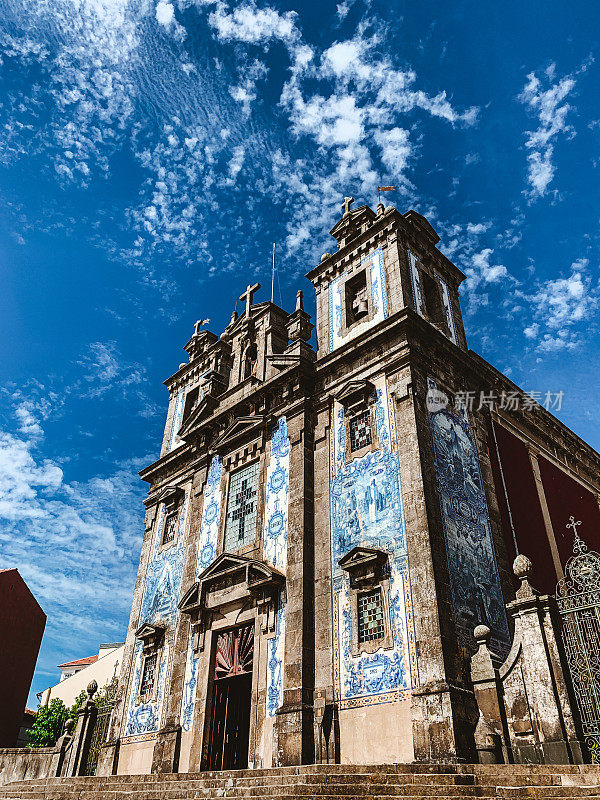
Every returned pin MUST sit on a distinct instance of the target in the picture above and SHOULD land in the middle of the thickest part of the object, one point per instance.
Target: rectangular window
(360, 431)
(169, 528)
(370, 617)
(148, 674)
(240, 527)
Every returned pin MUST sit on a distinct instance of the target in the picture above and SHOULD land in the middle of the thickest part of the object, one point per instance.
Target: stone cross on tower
(346, 204)
(198, 324)
(247, 296)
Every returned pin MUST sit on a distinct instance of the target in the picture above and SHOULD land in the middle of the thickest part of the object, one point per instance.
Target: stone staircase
(333, 782)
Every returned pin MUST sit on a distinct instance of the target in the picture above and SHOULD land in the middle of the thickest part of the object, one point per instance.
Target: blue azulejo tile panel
(144, 719)
(276, 498)
(373, 263)
(159, 606)
(475, 582)
(367, 510)
(275, 664)
(211, 513)
(163, 575)
(177, 417)
(189, 688)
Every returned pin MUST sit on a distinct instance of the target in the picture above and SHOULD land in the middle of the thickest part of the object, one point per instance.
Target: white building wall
(102, 671)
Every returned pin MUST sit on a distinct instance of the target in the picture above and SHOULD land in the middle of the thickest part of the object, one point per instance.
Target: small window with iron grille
(360, 431)
(148, 674)
(240, 525)
(371, 625)
(169, 528)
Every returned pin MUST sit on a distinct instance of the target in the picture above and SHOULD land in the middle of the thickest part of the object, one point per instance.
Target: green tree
(74, 710)
(48, 725)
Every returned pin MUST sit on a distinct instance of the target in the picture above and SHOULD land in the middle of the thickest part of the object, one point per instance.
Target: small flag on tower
(381, 189)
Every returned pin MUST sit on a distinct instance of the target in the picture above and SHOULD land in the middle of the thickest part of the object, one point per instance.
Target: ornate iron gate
(578, 596)
(105, 703)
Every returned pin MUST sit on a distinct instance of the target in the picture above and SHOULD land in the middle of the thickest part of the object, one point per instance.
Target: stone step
(329, 782)
(50, 794)
(364, 780)
(139, 792)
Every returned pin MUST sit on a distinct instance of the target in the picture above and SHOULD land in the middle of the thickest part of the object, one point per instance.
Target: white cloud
(395, 150)
(559, 305)
(550, 108)
(252, 25)
(165, 13)
(75, 543)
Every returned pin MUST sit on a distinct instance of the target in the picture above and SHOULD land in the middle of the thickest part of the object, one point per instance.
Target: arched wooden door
(230, 720)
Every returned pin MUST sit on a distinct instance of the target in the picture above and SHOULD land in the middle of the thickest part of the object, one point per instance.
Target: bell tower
(388, 324)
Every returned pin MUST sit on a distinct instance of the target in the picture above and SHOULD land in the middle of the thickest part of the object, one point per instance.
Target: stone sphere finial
(522, 567)
(482, 634)
(68, 726)
(92, 688)
(325, 255)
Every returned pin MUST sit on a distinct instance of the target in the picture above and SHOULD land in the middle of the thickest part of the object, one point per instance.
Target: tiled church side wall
(444, 715)
(119, 713)
(367, 509)
(474, 579)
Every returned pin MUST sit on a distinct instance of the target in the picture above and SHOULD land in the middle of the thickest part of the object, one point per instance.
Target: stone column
(60, 758)
(293, 729)
(492, 739)
(86, 721)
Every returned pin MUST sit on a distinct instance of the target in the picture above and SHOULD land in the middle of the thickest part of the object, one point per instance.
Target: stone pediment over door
(231, 579)
(241, 428)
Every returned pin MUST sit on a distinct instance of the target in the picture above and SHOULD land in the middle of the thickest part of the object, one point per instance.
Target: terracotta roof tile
(79, 662)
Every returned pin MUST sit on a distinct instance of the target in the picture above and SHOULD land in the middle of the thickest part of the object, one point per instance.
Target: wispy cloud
(76, 543)
(550, 108)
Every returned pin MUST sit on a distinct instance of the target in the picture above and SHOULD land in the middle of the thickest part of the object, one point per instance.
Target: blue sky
(151, 152)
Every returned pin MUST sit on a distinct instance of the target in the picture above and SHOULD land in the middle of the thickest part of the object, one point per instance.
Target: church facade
(326, 527)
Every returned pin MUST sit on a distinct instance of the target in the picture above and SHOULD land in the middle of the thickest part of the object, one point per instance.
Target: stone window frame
(428, 275)
(152, 638)
(386, 642)
(170, 513)
(370, 315)
(350, 414)
(231, 469)
(172, 505)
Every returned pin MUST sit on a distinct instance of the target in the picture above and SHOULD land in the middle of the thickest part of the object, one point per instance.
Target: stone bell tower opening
(232, 696)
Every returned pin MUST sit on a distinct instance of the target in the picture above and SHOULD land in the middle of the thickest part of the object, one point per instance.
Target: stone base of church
(376, 734)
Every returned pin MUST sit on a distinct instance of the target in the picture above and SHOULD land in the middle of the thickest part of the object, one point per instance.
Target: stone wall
(25, 763)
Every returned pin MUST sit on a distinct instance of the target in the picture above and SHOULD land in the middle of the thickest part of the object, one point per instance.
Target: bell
(363, 306)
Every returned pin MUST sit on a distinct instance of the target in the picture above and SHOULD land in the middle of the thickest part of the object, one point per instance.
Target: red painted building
(22, 624)
(538, 490)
